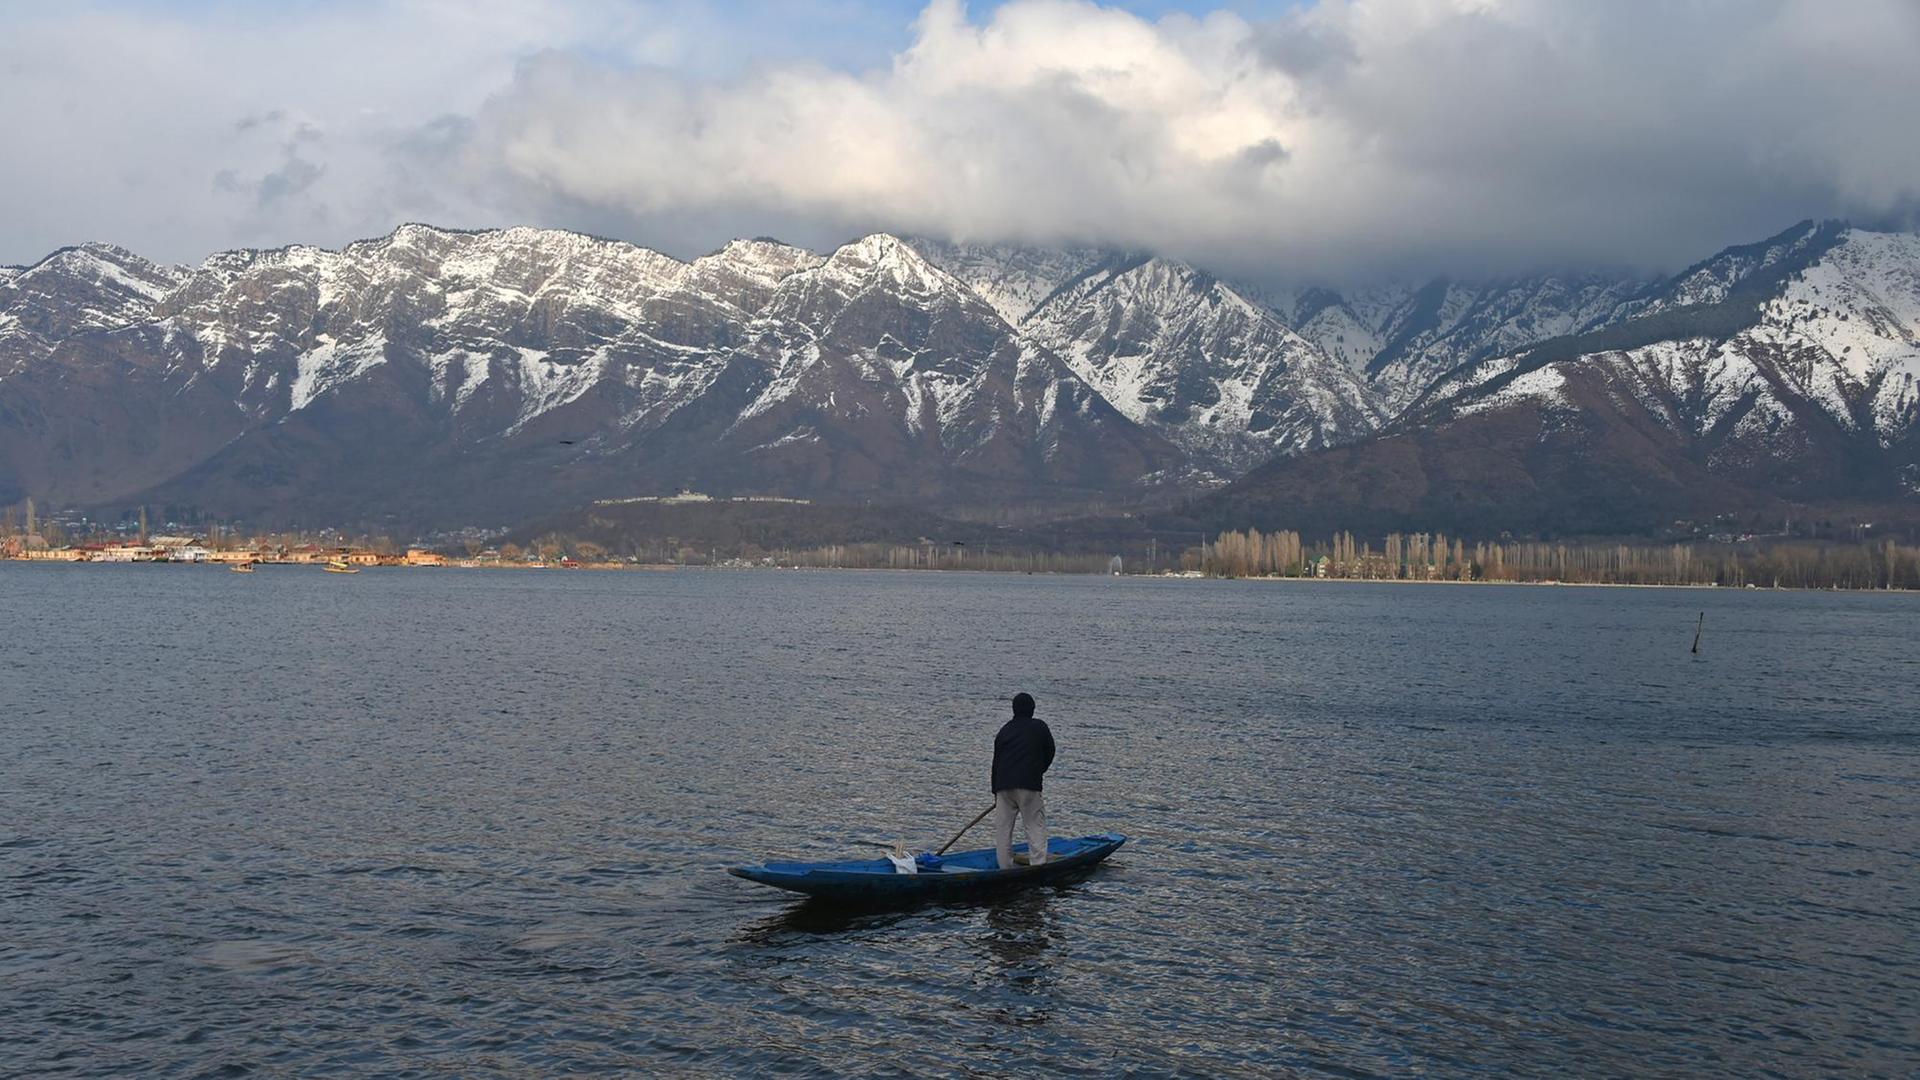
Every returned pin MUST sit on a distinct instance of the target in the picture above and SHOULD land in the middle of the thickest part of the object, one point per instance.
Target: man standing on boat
(1021, 753)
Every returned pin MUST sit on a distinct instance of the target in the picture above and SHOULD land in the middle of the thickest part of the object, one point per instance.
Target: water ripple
(473, 823)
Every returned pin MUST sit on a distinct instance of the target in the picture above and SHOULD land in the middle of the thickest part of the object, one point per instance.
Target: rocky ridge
(462, 375)
(1767, 382)
(451, 376)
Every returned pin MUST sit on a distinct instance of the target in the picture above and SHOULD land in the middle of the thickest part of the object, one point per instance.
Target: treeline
(1435, 557)
(859, 556)
(1417, 556)
(937, 557)
(1766, 563)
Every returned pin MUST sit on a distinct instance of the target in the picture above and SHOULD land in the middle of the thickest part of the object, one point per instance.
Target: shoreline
(670, 567)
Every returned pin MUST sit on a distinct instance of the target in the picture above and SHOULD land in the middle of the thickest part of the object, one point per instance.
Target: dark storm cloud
(294, 176)
(248, 123)
(1341, 138)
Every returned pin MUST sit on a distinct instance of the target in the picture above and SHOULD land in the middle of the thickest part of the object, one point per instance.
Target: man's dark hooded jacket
(1021, 753)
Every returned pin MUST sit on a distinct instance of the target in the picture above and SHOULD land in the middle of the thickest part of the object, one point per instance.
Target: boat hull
(961, 875)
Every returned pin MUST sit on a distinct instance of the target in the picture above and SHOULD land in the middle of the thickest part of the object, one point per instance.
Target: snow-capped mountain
(1184, 355)
(1179, 350)
(73, 290)
(1811, 337)
(447, 376)
(1774, 375)
(1014, 279)
(869, 367)
(495, 373)
(1401, 339)
(1174, 349)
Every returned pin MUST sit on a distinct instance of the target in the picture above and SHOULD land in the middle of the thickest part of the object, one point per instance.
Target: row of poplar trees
(1434, 557)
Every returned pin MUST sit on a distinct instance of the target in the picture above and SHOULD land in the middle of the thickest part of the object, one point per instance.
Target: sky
(1321, 140)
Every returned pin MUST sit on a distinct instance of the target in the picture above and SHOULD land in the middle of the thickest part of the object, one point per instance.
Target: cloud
(294, 176)
(119, 113)
(1338, 139)
(1344, 138)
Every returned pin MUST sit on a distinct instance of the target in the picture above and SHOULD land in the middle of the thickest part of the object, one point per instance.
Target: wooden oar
(963, 832)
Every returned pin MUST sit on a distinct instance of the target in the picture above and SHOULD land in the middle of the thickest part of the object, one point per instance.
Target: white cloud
(179, 130)
(1346, 137)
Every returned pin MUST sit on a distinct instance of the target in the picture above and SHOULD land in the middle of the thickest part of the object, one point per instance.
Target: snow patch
(329, 364)
(1547, 386)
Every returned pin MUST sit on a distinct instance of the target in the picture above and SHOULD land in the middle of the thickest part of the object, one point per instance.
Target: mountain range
(1773, 381)
(436, 378)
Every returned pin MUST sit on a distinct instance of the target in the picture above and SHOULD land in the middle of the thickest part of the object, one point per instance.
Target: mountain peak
(95, 257)
(436, 241)
(761, 256)
(757, 245)
(745, 272)
(900, 365)
(886, 256)
(1012, 278)
(415, 231)
(91, 286)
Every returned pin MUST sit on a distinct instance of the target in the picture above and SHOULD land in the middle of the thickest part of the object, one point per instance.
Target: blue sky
(1324, 139)
(844, 33)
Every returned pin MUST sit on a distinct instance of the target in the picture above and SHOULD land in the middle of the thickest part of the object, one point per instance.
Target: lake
(475, 822)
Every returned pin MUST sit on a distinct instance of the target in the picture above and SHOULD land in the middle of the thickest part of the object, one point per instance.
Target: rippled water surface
(471, 822)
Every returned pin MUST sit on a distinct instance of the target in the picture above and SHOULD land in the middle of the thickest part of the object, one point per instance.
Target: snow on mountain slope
(74, 290)
(1347, 332)
(507, 346)
(505, 326)
(745, 273)
(1816, 388)
(1743, 269)
(1846, 332)
(1013, 279)
(1775, 380)
(1181, 353)
(895, 321)
(897, 368)
(910, 366)
(1402, 339)
(1176, 350)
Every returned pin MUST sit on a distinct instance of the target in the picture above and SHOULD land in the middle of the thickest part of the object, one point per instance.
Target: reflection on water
(1020, 933)
(804, 920)
(475, 823)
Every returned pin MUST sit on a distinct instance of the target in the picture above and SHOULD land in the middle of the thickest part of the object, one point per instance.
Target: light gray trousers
(1028, 805)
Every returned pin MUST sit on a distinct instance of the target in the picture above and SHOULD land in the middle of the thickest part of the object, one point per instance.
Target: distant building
(684, 496)
(424, 557)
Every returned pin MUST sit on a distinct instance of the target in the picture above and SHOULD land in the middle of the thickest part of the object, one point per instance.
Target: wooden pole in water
(963, 832)
(1702, 625)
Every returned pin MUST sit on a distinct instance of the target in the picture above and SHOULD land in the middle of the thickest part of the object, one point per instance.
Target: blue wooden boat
(956, 876)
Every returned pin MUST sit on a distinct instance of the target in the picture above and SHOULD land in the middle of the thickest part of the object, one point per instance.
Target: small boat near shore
(341, 566)
(241, 568)
(957, 876)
